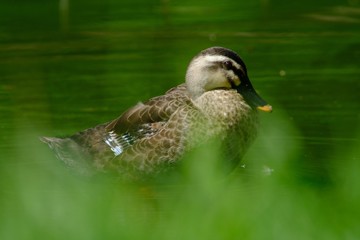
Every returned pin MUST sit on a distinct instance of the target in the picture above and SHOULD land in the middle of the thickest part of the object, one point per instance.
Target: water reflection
(64, 15)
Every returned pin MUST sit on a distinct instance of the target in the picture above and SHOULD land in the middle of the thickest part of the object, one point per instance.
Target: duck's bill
(252, 98)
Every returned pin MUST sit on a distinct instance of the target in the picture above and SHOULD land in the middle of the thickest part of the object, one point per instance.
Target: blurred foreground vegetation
(41, 199)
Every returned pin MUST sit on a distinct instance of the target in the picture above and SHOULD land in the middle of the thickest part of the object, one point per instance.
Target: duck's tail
(71, 153)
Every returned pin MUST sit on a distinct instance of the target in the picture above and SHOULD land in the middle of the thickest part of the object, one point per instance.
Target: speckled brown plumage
(216, 102)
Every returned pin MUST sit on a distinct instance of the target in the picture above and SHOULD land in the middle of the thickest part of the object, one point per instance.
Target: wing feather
(157, 109)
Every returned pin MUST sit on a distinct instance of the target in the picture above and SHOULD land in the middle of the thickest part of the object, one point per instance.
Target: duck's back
(144, 139)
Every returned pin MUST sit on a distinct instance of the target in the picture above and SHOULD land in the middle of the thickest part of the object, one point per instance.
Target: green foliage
(41, 199)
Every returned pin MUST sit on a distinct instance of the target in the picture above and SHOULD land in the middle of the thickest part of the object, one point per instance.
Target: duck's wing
(144, 119)
(151, 113)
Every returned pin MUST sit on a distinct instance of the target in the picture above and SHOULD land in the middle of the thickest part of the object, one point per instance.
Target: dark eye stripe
(228, 65)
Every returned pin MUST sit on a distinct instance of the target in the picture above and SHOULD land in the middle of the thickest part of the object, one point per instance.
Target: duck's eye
(227, 65)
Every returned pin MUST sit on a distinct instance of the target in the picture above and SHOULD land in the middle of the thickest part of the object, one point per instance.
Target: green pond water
(69, 65)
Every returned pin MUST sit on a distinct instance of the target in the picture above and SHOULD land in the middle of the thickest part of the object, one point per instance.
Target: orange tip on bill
(265, 108)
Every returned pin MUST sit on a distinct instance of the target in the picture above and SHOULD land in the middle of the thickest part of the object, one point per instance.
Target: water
(71, 65)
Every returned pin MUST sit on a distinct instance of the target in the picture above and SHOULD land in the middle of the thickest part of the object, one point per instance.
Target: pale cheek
(216, 80)
(236, 80)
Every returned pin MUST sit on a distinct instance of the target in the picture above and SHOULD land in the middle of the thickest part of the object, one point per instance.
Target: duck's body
(151, 136)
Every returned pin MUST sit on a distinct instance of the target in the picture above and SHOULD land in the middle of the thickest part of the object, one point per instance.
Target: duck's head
(221, 68)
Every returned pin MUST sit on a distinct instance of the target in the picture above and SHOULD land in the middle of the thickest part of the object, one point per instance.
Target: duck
(216, 101)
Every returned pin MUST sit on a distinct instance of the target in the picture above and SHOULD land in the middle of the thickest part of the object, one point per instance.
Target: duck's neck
(225, 107)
